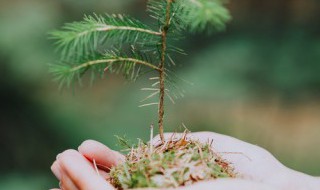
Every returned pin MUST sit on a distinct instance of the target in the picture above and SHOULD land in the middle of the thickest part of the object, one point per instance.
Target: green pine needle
(82, 38)
(192, 15)
(200, 15)
(112, 61)
(82, 43)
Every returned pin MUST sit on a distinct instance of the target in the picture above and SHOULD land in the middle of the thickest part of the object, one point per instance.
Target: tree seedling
(121, 44)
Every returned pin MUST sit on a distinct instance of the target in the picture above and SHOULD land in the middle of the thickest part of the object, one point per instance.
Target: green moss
(177, 162)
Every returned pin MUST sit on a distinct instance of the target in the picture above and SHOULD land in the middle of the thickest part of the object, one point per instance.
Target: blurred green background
(258, 81)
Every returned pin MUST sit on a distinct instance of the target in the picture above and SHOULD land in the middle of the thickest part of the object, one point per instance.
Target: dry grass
(177, 162)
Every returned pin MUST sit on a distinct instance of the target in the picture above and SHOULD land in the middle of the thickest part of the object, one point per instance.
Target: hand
(258, 168)
(75, 169)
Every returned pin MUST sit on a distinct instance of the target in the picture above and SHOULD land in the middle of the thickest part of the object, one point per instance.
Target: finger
(67, 184)
(100, 153)
(81, 173)
(250, 161)
(56, 170)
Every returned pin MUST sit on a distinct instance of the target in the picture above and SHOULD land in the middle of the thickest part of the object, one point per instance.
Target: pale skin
(257, 168)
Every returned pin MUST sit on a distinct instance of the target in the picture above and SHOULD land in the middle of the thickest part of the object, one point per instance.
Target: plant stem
(164, 31)
(119, 59)
(110, 27)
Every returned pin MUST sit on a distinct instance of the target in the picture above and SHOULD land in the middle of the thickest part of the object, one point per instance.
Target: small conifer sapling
(121, 44)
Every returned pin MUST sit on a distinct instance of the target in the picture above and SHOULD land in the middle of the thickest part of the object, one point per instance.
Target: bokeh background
(258, 81)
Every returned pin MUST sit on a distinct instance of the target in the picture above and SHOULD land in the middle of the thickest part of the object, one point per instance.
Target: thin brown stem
(164, 32)
(106, 28)
(119, 59)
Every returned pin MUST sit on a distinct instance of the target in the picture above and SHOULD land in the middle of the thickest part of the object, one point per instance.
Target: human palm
(256, 167)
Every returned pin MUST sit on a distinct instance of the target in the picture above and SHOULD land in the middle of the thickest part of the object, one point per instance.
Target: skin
(258, 168)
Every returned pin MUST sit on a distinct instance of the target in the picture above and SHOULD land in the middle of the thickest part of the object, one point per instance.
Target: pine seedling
(121, 44)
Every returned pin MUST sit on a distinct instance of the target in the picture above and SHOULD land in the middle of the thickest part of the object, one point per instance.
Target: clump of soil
(177, 162)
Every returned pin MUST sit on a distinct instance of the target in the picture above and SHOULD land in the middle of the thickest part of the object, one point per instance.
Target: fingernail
(58, 156)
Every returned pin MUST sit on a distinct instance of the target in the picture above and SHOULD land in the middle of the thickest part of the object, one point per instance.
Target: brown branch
(106, 28)
(164, 32)
(120, 59)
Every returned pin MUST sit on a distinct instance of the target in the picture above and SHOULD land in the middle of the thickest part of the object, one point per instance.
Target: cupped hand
(85, 169)
(256, 167)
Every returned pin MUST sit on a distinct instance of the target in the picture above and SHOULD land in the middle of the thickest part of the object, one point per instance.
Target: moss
(177, 162)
